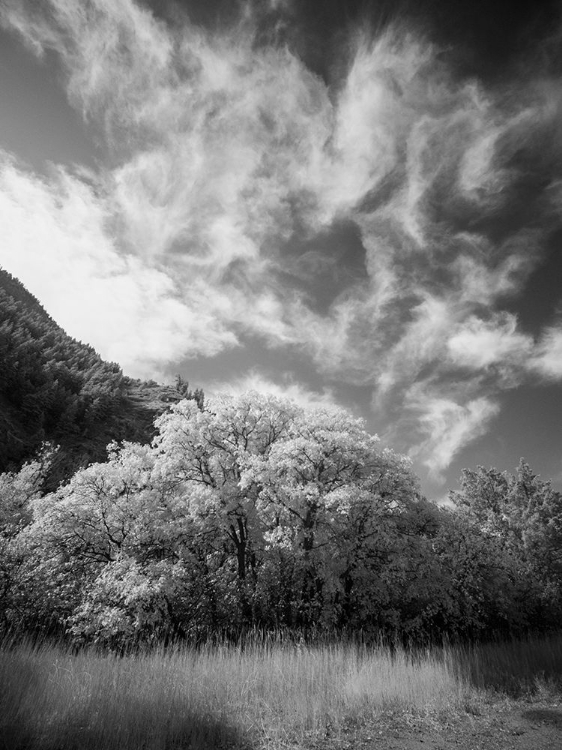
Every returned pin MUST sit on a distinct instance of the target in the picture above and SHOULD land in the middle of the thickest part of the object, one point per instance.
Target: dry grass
(259, 696)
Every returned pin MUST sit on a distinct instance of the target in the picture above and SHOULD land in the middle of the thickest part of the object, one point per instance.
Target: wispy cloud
(57, 237)
(478, 344)
(547, 357)
(255, 381)
(447, 426)
(227, 157)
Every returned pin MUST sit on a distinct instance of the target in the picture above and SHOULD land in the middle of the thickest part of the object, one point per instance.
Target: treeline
(252, 513)
(56, 389)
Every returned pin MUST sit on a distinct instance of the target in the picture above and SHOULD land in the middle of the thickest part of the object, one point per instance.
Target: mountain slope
(56, 389)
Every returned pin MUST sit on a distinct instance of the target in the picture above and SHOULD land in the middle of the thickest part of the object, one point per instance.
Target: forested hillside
(56, 389)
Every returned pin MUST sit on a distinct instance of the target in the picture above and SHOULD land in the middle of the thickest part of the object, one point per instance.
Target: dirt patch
(502, 727)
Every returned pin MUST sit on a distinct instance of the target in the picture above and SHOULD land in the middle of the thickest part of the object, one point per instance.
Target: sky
(344, 202)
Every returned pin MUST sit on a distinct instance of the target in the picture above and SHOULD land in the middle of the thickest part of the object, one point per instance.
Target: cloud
(547, 357)
(423, 340)
(293, 391)
(57, 239)
(478, 344)
(481, 282)
(223, 149)
(226, 157)
(447, 426)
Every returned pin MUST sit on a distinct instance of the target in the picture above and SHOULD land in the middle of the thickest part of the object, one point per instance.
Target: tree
(18, 493)
(182, 387)
(250, 511)
(329, 492)
(523, 515)
(205, 456)
(289, 488)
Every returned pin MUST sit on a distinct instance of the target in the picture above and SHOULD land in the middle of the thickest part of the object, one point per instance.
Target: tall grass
(516, 667)
(223, 696)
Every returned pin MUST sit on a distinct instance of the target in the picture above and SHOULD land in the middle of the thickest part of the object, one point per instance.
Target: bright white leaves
(287, 486)
(18, 490)
(104, 511)
(265, 443)
(220, 500)
(127, 602)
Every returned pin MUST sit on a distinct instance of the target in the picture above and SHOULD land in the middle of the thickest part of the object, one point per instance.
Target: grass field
(259, 696)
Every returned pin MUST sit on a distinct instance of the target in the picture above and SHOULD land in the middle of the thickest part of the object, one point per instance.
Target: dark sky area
(346, 202)
(480, 38)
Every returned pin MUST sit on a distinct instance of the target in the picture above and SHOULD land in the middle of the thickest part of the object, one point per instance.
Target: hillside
(56, 389)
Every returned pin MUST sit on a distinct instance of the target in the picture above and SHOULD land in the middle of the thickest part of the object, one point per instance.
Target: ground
(507, 725)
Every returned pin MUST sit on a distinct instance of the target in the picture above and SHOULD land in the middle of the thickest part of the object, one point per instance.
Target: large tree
(298, 497)
(250, 511)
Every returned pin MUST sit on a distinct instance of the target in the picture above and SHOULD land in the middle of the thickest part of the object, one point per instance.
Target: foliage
(251, 512)
(521, 516)
(18, 491)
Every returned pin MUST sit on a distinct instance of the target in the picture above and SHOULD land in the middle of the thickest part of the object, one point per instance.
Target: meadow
(270, 695)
